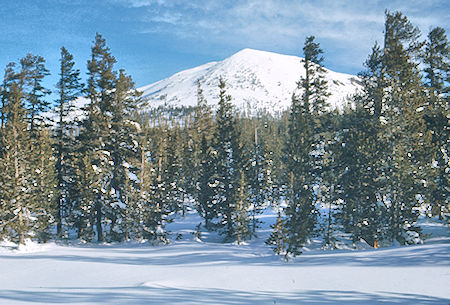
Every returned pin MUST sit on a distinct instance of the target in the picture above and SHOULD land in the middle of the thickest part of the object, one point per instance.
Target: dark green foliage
(437, 66)
(226, 162)
(205, 195)
(278, 238)
(303, 150)
(241, 219)
(436, 58)
(26, 186)
(121, 174)
(107, 141)
(69, 87)
(30, 80)
(359, 158)
(203, 159)
(405, 128)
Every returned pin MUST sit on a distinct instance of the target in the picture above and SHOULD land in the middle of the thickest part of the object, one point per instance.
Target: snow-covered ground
(209, 272)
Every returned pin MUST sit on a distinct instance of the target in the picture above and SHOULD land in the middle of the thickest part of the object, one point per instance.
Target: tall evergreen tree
(203, 131)
(436, 59)
(69, 88)
(206, 205)
(94, 133)
(406, 132)
(304, 124)
(360, 158)
(122, 145)
(227, 152)
(106, 138)
(241, 219)
(31, 77)
(24, 194)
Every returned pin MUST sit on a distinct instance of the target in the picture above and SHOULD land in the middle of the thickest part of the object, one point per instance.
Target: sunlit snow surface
(256, 80)
(209, 272)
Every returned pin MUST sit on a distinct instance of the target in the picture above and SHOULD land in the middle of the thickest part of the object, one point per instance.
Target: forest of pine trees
(116, 173)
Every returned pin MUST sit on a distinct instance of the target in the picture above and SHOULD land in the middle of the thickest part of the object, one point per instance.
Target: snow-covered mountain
(255, 79)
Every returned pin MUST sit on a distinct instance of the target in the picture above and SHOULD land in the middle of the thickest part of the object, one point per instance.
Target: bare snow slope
(255, 79)
(209, 272)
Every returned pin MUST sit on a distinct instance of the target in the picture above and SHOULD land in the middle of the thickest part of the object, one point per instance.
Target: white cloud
(283, 24)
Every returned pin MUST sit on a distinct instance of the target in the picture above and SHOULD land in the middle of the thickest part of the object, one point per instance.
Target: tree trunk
(98, 209)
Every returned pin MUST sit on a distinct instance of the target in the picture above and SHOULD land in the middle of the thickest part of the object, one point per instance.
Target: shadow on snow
(168, 295)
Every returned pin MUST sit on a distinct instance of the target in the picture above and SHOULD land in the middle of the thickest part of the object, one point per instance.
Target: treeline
(116, 173)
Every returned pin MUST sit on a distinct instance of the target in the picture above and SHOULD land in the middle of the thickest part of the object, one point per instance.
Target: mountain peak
(255, 79)
(251, 52)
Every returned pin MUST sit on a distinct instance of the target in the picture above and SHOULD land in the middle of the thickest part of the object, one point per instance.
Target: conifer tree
(227, 162)
(241, 219)
(44, 182)
(159, 188)
(203, 131)
(206, 206)
(406, 132)
(69, 88)
(187, 172)
(122, 146)
(278, 239)
(15, 163)
(254, 159)
(437, 70)
(24, 196)
(94, 133)
(304, 124)
(436, 58)
(359, 154)
(106, 139)
(31, 77)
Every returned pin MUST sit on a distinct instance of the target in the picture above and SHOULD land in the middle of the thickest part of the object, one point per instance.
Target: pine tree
(436, 59)
(302, 141)
(359, 163)
(329, 173)
(406, 132)
(43, 184)
(204, 165)
(160, 186)
(8, 79)
(14, 163)
(122, 146)
(241, 219)
(360, 157)
(278, 239)
(254, 160)
(69, 88)
(106, 141)
(187, 173)
(437, 67)
(93, 137)
(24, 197)
(83, 214)
(31, 77)
(227, 162)
(206, 206)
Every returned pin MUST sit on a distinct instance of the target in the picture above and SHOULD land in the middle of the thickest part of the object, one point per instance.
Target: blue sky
(153, 39)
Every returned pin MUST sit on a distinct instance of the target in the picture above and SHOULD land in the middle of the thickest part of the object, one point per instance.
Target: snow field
(210, 272)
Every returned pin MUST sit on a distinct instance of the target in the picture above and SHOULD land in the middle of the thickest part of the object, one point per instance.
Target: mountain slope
(255, 80)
